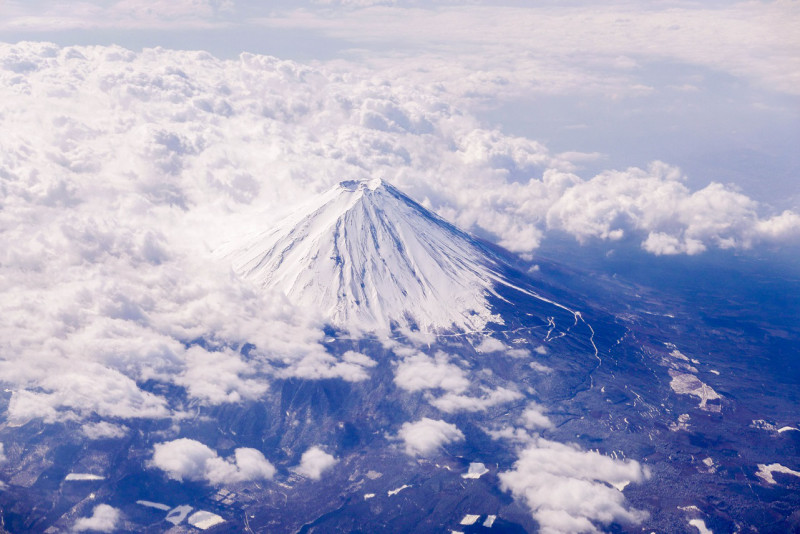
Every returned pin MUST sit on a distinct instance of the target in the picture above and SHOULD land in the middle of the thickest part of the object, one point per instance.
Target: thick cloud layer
(187, 459)
(119, 172)
(483, 46)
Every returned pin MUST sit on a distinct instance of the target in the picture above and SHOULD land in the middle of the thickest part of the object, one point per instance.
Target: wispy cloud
(129, 14)
(550, 47)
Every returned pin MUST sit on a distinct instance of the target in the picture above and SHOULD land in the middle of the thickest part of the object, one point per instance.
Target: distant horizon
(697, 97)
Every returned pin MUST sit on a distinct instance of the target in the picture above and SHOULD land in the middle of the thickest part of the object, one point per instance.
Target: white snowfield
(369, 258)
(689, 384)
(476, 470)
(765, 472)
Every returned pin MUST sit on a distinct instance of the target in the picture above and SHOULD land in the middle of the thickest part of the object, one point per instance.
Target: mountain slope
(369, 258)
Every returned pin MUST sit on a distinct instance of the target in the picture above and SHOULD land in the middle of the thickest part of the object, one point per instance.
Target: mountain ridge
(371, 258)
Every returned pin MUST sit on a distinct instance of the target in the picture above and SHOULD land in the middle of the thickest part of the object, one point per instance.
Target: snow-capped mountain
(369, 257)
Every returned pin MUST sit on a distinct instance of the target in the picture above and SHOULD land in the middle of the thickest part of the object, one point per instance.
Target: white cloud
(355, 3)
(65, 395)
(182, 458)
(353, 366)
(490, 344)
(518, 48)
(426, 436)
(664, 244)
(483, 49)
(121, 170)
(540, 368)
(533, 417)
(315, 462)
(656, 201)
(454, 402)
(569, 490)
(421, 372)
(104, 518)
(128, 14)
(779, 227)
(2, 453)
(103, 430)
(247, 465)
(191, 460)
(220, 376)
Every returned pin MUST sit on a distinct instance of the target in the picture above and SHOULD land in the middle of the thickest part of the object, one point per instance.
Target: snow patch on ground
(762, 424)
(476, 470)
(681, 424)
(397, 490)
(700, 525)
(765, 472)
(469, 519)
(178, 514)
(711, 466)
(689, 384)
(156, 505)
(204, 520)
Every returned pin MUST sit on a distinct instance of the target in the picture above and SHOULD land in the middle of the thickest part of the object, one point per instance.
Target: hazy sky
(709, 86)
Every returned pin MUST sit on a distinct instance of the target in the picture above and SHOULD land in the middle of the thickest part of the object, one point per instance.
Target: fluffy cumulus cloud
(427, 436)
(419, 372)
(657, 203)
(572, 490)
(352, 366)
(121, 171)
(104, 518)
(188, 459)
(437, 375)
(315, 462)
(533, 417)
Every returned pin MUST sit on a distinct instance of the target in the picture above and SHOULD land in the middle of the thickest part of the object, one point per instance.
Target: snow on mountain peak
(371, 258)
